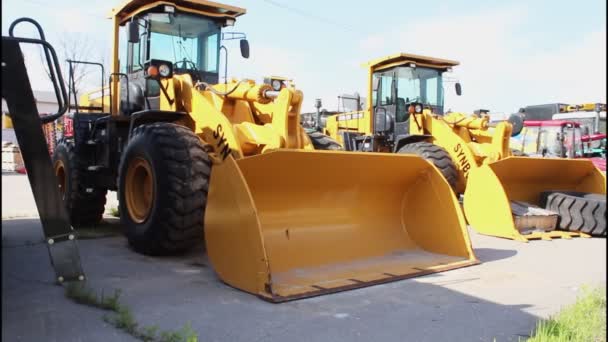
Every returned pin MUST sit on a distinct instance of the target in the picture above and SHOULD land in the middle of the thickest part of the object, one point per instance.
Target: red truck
(558, 139)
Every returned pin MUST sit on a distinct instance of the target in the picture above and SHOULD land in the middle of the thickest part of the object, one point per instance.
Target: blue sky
(512, 53)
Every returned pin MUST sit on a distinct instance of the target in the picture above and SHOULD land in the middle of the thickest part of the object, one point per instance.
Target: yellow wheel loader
(513, 197)
(192, 157)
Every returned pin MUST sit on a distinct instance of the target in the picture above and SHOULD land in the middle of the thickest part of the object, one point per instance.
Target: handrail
(120, 74)
(53, 63)
(73, 85)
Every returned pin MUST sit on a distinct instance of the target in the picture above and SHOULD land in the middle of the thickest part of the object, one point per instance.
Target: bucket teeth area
(556, 234)
(305, 282)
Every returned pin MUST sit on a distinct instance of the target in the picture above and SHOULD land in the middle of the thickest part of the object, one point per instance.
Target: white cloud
(308, 70)
(263, 61)
(498, 69)
(574, 73)
(373, 42)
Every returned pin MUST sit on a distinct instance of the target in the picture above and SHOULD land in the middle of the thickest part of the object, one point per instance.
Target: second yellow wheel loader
(185, 151)
(506, 196)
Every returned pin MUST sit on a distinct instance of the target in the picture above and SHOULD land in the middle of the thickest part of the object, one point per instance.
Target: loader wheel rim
(139, 189)
(61, 176)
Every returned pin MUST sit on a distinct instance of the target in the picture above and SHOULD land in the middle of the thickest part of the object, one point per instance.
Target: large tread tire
(578, 211)
(181, 169)
(437, 155)
(322, 142)
(84, 209)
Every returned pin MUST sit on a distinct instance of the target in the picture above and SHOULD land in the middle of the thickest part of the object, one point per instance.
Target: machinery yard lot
(502, 298)
(180, 200)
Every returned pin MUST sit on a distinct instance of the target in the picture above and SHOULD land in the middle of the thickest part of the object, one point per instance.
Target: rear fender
(403, 140)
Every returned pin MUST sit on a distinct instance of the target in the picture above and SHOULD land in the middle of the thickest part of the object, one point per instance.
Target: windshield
(191, 41)
(420, 85)
(572, 142)
(526, 141)
(584, 122)
(590, 124)
(411, 85)
(551, 141)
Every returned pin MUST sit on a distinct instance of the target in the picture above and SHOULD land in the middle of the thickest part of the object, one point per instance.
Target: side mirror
(244, 48)
(458, 88)
(375, 83)
(133, 32)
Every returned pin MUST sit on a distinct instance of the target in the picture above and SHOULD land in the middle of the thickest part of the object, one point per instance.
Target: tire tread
(180, 224)
(437, 155)
(578, 211)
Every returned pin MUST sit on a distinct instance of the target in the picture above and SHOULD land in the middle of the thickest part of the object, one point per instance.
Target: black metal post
(19, 97)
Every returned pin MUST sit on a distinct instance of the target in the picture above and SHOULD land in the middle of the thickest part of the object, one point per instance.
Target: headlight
(418, 108)
(276, 85)
(164, 70)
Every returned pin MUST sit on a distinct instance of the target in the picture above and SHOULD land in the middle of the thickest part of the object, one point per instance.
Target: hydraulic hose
(206, 86)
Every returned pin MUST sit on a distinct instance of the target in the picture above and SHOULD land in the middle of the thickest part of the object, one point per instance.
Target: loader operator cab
(399, 86)
(563, 141)
(172, 42)
(406, 80)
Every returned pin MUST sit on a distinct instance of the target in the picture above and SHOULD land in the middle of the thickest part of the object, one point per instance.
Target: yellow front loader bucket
(494, 190)
(292, 223)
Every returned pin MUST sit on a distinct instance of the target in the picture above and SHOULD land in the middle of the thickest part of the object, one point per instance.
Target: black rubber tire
(437, 155)
(181, 169)
(322, 142)
(84, 209)
(578, 211)
(518, 153)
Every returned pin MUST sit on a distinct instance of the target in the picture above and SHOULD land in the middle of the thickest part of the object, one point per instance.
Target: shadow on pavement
(169, 292)
(491, 254)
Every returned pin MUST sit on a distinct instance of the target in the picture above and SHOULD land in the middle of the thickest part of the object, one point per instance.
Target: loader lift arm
(17, 92)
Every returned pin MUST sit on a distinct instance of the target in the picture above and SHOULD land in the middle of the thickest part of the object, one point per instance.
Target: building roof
(41, 96)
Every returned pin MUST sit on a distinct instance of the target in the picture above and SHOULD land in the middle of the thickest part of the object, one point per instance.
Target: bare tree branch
(74, 46)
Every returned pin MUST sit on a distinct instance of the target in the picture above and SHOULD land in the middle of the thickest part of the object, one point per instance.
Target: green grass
(123, 319)
(114, 211)
(583, 321)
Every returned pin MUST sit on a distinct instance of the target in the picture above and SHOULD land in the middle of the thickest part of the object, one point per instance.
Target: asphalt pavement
(502, 298)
